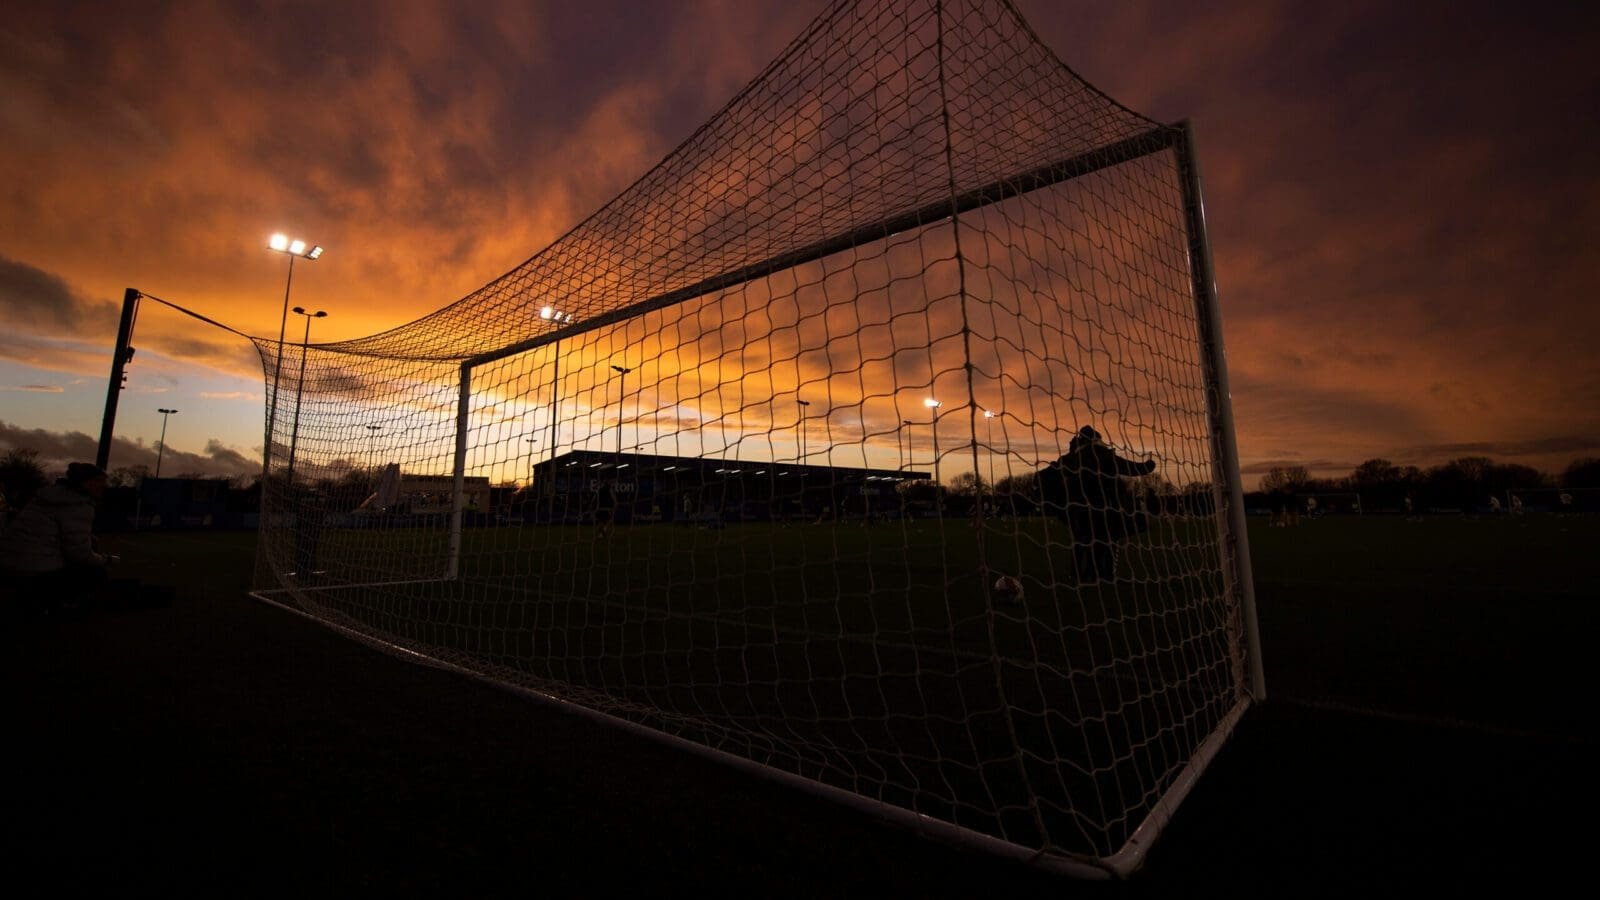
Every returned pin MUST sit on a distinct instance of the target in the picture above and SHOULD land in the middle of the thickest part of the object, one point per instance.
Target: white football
(1008, 589)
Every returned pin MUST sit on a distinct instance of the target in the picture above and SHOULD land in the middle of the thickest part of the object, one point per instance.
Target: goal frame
(1227, 486)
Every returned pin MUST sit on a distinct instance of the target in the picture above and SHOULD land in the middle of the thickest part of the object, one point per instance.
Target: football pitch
(1477, 622)
(1483, 620)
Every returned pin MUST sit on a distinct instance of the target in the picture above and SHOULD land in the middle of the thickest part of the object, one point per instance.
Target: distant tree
(1381, 484)
(1016, 484)
(1375, 473)
(1503, 477)
(1462, 483)
(20, 476)
(1474, 467)
(1197, 498)
(1018, 494)
(967, 484)
(127, 476)
(1582, 473)
(1285, 479)
(917, 489)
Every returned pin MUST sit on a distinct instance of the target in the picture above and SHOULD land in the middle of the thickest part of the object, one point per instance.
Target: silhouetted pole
(291, 248)
(119, 359)
(300, 385)
(162, 450)
(800, 429)
(938, 489)
(622, 393)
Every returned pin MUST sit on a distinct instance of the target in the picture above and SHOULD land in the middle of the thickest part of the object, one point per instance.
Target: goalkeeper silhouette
(1088, 489)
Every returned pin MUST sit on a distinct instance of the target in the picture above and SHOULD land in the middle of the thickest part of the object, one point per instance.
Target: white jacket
(51, 532)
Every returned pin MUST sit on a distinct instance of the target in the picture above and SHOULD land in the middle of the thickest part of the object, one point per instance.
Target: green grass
(873, 659)
(1485, 620)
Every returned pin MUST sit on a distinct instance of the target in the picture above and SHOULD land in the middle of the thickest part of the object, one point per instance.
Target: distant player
(605, 508)
(1516, 504)
(1088, 489)
(1494, 506)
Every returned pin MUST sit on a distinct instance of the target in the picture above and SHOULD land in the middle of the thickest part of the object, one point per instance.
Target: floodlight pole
(622, 393)
(458, 498)
(555, 414)
(300, 384)
(988, 418)
(277, 373)
(291, 248)
(800, 430)
(938, 489)
(162, 449)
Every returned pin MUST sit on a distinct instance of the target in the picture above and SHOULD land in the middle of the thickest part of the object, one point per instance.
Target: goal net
(762, 456)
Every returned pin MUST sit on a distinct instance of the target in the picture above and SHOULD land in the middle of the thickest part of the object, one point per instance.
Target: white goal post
(878, 440)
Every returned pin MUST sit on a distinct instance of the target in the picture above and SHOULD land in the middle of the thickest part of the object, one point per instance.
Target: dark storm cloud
(57, 448)
(1570, 445)
(1264, 466)
(32, 299)
(1401, 196)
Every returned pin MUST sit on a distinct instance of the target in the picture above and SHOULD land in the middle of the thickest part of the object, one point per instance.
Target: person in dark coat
(1088, 489)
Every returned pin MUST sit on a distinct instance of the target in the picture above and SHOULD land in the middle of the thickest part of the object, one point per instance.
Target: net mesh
(775, 452)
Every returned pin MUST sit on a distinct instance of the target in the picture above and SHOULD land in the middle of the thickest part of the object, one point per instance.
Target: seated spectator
(47, 549)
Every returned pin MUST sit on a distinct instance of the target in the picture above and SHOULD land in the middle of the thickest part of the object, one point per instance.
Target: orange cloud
(1401, 233)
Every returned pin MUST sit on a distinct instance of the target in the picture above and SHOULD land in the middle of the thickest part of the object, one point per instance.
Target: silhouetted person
(605, 509)
(1087, 489)
(47, 549)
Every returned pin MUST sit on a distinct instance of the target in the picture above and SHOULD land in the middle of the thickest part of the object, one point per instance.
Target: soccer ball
(1007, 589)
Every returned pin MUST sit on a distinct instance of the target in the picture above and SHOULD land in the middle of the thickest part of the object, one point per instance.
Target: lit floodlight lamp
(279, 242)
(313, 253)
(932, 403)
(298, 248)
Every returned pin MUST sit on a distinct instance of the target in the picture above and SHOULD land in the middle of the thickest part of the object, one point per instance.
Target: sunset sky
(1403, 198)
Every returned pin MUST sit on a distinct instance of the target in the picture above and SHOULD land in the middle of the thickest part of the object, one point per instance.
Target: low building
(579, 485)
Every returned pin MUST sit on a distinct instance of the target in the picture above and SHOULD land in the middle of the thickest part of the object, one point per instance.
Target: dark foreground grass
(865, 657)
(1428, 728)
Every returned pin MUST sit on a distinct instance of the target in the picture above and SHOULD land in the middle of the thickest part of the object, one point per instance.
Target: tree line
(1465, 483)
